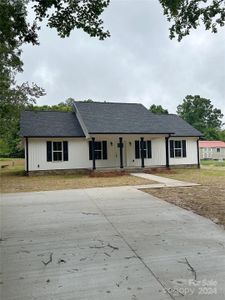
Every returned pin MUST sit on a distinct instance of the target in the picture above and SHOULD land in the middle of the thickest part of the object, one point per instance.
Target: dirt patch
(207, 200)
(203, 200)
(108, 173)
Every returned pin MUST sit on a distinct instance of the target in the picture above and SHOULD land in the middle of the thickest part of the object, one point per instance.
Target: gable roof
(211, 144)
(109, 118)
(134, 118)
(50, 124)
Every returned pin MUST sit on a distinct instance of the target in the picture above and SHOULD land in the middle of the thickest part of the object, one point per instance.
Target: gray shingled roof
(177, 125)
(50, 124)
(104, 117)
(101, 117)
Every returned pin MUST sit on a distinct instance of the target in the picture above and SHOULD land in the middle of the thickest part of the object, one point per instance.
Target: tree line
(197, 111)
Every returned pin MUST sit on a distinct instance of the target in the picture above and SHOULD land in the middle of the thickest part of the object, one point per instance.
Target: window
(100, 149)
(147, 149)
(217, 149)
(57, 151)
(178, 148)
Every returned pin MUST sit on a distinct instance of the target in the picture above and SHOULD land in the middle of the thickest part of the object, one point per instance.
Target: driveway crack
(135, 252)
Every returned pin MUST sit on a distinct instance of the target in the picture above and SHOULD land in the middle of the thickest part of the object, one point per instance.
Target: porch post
(142, 153)
(121, 152)
(93, 153)
(167, 151)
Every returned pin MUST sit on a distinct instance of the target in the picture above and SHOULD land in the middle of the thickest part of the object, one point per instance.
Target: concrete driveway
(107, 243)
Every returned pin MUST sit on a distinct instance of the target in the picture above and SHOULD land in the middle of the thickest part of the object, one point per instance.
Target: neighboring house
(107, 135)
(212, 149)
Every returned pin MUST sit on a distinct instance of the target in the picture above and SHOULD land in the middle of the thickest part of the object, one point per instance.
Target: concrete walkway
(163, 181)
(107, 244)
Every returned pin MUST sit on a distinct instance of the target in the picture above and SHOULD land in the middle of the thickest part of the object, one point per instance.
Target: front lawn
(13, 179)
(212, 163)
(207, 200)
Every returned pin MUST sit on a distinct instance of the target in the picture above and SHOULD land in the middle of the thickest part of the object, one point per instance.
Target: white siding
(192, 154)
(158, 153)
(78, 150)
(211, 153)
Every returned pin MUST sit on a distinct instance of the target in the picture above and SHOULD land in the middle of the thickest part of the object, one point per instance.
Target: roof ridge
(101, 102)
(59, 111)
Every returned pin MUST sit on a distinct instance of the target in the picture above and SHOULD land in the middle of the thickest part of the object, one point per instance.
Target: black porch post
(198, 153)
(167, 152)
(121, 151)
(93, 153)
(142, 153)
(27, 157)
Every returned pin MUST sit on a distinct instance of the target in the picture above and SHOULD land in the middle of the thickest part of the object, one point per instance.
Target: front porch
(128, 152)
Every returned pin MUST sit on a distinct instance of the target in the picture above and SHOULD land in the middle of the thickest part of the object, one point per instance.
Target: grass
(212, 163)
(13, 180)
(207, 200)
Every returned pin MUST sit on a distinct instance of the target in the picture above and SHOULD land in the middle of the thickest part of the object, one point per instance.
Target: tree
(61, 106)
(13, 97)
(200, 113)
(189, 14)
(222, 135)
(158, 109)
(67, 15)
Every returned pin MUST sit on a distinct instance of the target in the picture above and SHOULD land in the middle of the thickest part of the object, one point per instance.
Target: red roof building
(211, 144)
(212, 150)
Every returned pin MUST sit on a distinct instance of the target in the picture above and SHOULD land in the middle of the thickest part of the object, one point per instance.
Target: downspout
(27, 157)
(198, 152)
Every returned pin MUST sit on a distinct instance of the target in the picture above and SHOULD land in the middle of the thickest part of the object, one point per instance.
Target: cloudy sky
(138, 63)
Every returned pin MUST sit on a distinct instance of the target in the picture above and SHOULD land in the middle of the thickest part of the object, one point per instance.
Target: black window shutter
(104, 149)
(149, 144)
(49, 151)
(90, 150)
(172, 148)
(137, 149)
(65, 151)
(184, 148)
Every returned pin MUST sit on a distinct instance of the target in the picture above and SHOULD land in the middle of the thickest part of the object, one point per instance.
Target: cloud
(138, 63)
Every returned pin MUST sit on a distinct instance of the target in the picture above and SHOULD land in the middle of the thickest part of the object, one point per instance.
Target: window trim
(182, 149)
(57, 151)
(50, 151)
(146, 149)
(103, 150)
(99, 150)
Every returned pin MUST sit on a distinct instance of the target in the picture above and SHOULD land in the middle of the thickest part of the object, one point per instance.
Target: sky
(138, 63)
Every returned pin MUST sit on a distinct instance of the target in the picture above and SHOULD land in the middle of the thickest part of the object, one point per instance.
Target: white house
(212, 150)
(107, 135)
